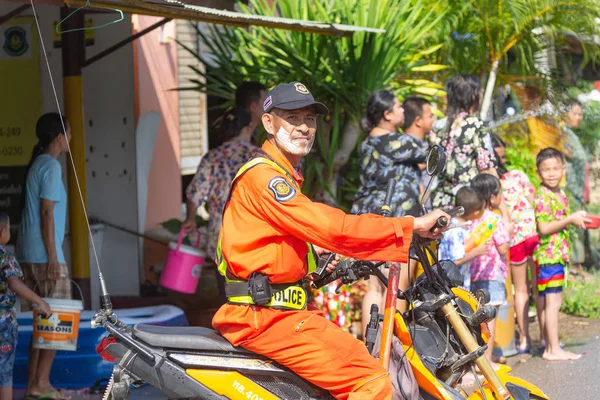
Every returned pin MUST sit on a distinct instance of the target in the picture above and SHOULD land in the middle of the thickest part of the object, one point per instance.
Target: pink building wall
(156, 75)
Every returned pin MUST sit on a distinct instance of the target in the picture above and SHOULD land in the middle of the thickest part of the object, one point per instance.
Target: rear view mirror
(436, 161)
(435, 164)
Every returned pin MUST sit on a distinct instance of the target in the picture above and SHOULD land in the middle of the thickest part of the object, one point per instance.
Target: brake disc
(109, 387)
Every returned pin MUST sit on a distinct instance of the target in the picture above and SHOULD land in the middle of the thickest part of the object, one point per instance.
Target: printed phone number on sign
(11, 151)
(11, 131)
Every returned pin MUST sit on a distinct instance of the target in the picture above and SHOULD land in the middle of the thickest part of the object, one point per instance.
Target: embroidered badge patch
(281, 189)
(300, 88)
(15, 41)
(267, 103)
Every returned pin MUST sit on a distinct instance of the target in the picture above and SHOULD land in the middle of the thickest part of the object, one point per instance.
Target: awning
(181, 10)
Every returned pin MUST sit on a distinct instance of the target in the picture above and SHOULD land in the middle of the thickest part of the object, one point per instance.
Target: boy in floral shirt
(452, 245)
(10, 284)
(553, 217)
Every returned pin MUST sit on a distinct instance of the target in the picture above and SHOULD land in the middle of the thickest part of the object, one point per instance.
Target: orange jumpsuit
(263, 233)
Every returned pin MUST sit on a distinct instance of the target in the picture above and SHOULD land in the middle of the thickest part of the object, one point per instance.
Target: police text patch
(281, 189)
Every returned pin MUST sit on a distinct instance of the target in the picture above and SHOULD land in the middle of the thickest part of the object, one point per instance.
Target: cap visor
(320, 108)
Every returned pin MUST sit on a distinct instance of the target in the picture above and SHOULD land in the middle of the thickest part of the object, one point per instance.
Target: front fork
(466, 337)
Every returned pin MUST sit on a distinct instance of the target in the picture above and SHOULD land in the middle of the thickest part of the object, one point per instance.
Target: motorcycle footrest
(468, 358)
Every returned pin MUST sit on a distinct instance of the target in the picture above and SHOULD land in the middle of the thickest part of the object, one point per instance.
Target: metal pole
(387, 331)
(73, 55)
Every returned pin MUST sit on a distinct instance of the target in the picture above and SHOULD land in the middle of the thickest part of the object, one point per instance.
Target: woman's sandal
(51, 395)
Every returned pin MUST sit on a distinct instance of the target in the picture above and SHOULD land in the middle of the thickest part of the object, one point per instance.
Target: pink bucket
(183, 266)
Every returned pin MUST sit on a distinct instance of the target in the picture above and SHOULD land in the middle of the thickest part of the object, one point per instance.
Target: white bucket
(59, 330)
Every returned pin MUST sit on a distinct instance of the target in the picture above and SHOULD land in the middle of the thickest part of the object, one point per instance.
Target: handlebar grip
(326, 280)
(385, 208)
(442, 222)
(322, 266)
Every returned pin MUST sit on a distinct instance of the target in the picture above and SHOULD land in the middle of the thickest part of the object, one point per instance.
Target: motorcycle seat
(185, 337)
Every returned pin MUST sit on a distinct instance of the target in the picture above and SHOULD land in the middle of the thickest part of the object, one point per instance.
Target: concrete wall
(115, 95)
(156, 77)
(110, 142)
(109, 134)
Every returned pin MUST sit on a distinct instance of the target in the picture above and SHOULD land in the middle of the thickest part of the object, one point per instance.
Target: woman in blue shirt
(41, 235)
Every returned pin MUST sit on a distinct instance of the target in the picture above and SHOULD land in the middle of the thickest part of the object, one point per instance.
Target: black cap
(292, 96)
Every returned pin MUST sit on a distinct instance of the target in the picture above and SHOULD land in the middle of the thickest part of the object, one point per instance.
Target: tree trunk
(489, 91)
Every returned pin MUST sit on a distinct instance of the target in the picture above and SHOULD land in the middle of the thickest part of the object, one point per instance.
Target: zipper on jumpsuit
(255, 319)
(303, 322)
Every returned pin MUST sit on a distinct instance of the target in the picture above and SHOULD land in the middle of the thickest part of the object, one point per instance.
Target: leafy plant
(582, 297)
(514, 32)
(173, 225)
(518, 40)
(340, 72)
(517, 157)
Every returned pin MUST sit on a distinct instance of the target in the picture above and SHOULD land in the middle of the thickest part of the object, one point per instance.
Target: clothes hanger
(87, 5)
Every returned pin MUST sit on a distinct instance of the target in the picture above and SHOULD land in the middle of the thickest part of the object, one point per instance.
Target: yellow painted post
(73, 48)
(504, 340)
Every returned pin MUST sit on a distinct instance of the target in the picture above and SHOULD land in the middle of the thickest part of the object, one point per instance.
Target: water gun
(480, 234)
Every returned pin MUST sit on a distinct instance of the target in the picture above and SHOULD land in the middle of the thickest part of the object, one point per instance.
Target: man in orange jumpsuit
(267, 224)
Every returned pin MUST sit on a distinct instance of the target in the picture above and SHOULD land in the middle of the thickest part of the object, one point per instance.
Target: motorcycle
(444, 333)
(447, 338)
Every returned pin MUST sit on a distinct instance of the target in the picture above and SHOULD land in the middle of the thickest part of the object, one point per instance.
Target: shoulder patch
(282, 190)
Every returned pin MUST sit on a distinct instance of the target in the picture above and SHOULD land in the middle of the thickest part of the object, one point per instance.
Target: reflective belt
(294, 296)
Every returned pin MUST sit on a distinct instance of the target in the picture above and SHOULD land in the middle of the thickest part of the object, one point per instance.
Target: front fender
(513, 384)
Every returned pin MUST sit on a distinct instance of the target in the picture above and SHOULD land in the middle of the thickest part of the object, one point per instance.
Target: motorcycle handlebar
(331, 277)
(442, 222)
(352, 269)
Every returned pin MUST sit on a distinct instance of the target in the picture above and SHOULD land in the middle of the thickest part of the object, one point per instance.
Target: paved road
(147, 393)
(566, 380)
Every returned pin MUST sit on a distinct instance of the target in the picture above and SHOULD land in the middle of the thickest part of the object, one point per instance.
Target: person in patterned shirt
(519, 196)
(385, 154)
(11, 285)
(467, 142)
(553, 217)
(210, 185)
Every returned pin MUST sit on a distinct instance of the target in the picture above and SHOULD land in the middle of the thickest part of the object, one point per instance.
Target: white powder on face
(284, 138)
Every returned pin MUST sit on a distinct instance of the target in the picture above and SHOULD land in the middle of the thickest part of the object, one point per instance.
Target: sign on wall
(20, 107)
(21, 100)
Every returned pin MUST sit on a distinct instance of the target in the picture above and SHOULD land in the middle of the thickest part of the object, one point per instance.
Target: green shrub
(582, 297)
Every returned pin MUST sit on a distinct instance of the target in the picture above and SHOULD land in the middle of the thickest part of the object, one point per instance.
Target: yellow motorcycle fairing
(230, 384)
(426, 380)
(533, 390)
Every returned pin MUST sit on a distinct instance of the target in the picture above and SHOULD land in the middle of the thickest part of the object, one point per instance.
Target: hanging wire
(87, 5)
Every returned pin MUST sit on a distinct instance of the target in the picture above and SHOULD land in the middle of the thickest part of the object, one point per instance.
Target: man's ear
(267, 121)
(253, 106)
(417, 121)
